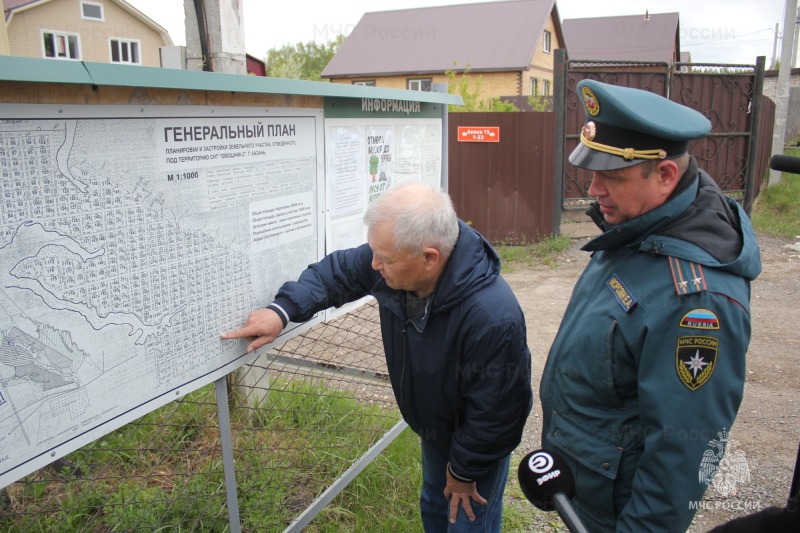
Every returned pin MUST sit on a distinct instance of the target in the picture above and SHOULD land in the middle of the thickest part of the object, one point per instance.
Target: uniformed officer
(646, 374)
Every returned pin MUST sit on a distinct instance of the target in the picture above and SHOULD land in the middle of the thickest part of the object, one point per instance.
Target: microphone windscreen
(785, 163)
(542, 474)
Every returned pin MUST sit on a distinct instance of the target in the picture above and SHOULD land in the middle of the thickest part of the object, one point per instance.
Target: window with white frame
(365, 83)
(125, 51)
(92, 11)
(419, 84)
(546, 42)
(60, 45)
(534, 87)
(545, 87)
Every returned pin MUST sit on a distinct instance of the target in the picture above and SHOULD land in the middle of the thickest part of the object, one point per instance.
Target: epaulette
(687, 276)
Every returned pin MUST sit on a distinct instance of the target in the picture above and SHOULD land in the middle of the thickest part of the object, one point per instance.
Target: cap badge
(589, 131)
(590, 101)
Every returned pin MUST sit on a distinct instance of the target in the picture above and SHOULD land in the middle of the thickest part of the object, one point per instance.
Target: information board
(366, 156)
(130, 237)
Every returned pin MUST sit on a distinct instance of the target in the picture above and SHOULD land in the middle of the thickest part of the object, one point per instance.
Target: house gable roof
(12, 6)
(653, 37)
(491, 36)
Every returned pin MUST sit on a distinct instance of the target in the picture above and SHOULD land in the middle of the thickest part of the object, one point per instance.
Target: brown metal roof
(628, 38)
(491, 36)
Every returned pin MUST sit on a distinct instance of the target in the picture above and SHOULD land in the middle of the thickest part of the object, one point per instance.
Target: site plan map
(127, 244)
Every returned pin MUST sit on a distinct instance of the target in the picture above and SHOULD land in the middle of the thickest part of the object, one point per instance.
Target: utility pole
(782, 90)
(774, 63)
(215, 36)
(794, 46)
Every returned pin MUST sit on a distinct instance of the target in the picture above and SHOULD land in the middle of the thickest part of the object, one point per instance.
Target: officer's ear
(668, 175)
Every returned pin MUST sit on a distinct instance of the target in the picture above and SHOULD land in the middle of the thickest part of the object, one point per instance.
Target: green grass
(164, 471)
(777, 208)
(544, 252)
(382, 498)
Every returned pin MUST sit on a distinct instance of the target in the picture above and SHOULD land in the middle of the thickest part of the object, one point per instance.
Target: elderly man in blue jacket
(646, 374)
(455, 343)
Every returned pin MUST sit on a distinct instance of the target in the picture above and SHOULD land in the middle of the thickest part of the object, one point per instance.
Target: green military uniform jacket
(648, 366)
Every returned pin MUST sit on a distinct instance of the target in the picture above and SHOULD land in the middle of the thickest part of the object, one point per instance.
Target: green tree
(538, 103)
(301, 61)
(471, 94)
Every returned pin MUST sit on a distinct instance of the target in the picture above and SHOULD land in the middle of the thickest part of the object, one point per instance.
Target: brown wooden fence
(505, 189)
(513, 191)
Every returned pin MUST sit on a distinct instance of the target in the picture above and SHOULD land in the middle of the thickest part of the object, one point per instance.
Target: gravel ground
(767, 430)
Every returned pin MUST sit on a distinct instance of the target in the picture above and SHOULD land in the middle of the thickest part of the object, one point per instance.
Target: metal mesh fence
(300, 416)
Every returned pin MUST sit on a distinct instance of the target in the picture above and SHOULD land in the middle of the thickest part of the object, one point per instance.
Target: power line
(733, 38)
(717, 43)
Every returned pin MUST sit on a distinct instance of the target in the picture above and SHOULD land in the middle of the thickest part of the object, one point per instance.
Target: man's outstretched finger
(241, 333)
(261, 327)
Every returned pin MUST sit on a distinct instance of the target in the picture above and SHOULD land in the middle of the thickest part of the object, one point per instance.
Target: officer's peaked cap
(627, 126)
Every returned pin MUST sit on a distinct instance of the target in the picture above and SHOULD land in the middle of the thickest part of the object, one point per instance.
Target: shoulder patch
(695, 360)
(688, 277)
(624, 297)
(700, 319)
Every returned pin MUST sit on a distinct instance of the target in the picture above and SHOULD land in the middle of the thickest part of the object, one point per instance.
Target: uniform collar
(631, 232)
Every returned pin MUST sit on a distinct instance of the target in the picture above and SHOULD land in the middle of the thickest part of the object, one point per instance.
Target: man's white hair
(420, 216)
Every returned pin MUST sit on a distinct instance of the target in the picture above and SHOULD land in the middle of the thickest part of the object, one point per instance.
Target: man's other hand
(460, 493)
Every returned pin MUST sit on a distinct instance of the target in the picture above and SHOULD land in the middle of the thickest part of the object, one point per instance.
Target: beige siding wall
(25, 31)
(4, 48)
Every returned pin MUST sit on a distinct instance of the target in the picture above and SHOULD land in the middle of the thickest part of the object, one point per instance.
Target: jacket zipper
(405, 347)
(403, 368)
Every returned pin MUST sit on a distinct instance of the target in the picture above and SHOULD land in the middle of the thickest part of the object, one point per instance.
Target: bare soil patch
(767, 429)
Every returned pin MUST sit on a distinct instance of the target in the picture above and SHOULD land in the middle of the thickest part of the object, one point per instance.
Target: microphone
(785, 163)
(547, 482)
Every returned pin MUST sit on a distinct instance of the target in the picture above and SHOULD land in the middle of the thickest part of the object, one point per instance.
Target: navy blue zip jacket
(461, 372)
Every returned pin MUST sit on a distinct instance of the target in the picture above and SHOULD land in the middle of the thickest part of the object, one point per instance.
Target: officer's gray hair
(420, 216)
